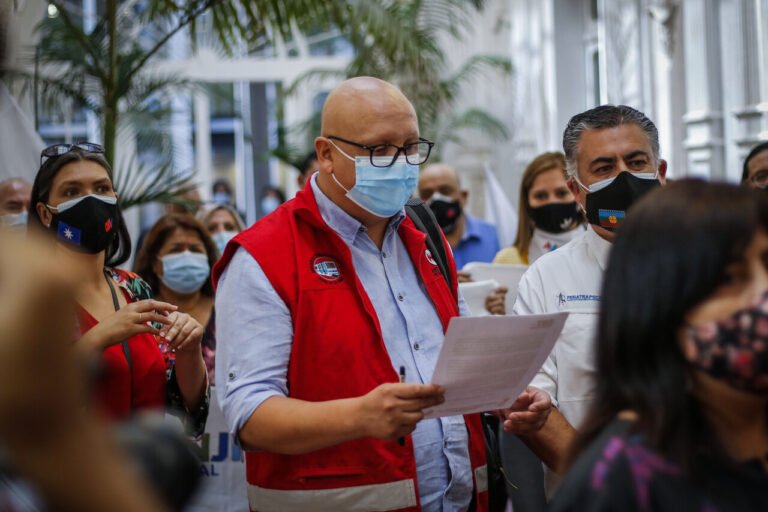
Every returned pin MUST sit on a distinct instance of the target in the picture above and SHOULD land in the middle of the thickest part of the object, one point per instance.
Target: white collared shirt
(569, 279)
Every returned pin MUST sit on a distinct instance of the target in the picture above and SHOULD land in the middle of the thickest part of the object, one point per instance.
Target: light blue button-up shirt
(255, 332)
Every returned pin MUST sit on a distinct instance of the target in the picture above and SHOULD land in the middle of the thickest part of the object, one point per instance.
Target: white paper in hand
(475, 293)
(505, 275)
(485, 363)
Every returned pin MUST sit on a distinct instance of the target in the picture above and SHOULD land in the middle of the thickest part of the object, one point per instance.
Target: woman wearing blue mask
(176, 260)
(149, 350)
(271, 198)
(223, 224)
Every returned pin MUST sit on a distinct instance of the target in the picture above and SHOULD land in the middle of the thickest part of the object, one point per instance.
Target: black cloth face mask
(607, 207)
(555, 217)
(87, 224)
(447, 212)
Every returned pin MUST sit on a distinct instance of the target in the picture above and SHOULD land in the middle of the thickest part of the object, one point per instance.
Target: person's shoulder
(619, 471)
(509, 256)
(481, 226)
(600, 479)
(132, 282)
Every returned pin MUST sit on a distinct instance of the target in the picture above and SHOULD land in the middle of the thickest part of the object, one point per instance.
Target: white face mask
(14, 220)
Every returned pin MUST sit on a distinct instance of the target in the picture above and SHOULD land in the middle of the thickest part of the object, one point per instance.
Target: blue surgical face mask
(382, 191)
(269, 204)
(222, 198)
(185, 272)
(222, 238)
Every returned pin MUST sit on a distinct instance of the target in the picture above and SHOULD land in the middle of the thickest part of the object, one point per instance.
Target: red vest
(338, 352)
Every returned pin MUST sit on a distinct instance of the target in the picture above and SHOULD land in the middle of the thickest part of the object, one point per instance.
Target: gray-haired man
(612, 155)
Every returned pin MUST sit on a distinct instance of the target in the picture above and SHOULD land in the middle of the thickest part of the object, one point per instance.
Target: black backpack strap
(425, 221)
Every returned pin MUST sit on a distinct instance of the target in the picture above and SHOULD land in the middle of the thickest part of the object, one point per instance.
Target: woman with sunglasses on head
(680, 414)
(150, 351)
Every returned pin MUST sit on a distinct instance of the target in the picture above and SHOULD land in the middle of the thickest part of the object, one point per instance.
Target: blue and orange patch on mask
(611, 218)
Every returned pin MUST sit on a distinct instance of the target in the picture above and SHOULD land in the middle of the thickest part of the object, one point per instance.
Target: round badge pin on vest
(326, 268)
(430, 258)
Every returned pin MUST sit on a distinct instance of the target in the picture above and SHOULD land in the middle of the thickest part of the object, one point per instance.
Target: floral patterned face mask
(734, 349)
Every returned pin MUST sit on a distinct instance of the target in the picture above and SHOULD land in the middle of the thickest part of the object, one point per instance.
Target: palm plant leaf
(139, 183)
(105, 69)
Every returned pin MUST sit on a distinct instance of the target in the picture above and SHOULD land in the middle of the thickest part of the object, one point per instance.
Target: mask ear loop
(333, 174)
(341, 150)
(581, 207)
(579, 183)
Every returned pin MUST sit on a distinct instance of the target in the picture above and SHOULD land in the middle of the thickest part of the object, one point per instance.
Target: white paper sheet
(485, 363)
(505, 275)
(475, 293)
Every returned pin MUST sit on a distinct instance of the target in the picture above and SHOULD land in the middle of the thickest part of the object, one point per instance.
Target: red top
(118, 392)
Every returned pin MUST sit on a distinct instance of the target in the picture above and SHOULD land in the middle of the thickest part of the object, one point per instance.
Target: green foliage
(106, 70)
(399, 41)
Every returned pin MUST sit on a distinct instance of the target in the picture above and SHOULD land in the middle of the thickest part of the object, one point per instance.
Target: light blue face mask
(269, 204)
(185, 272)
(222, 198)
(222, 238)
(17, 221)
(382, 191)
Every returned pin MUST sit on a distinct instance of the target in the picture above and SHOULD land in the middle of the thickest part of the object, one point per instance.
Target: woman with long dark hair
(680, 415)
(150, 351)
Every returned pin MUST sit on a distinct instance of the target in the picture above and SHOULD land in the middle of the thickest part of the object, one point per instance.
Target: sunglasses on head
(62, 149)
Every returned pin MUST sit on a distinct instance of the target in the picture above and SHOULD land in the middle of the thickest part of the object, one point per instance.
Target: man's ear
(662, 171)
(463, 196)
(324, 155)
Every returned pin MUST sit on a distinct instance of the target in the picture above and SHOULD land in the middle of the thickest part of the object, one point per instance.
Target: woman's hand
(134, 318)
(183, 333)
(495, 302)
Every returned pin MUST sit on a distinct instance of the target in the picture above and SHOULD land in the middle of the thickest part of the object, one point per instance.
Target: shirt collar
(599, 247)
(471, 230)
(346, 226)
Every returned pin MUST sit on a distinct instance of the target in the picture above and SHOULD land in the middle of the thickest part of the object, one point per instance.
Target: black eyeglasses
(62, 149)
(416, 153)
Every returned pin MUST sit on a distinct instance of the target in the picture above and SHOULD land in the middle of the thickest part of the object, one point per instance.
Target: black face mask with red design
(447, 211)
(87, 223)
(735, 349)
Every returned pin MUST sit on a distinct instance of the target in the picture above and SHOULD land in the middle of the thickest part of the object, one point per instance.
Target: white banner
(223, 487)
